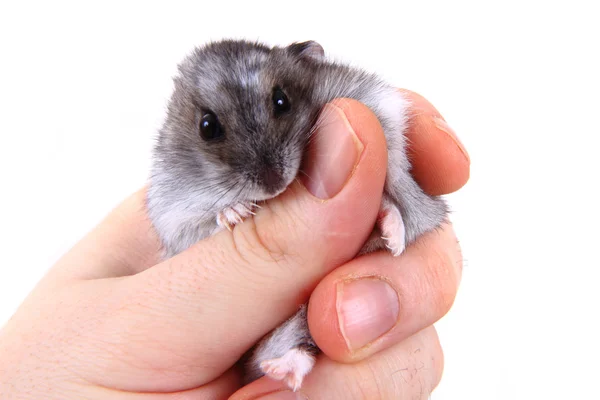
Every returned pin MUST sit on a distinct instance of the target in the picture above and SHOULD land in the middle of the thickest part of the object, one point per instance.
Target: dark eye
(281, 104)
(210, 128)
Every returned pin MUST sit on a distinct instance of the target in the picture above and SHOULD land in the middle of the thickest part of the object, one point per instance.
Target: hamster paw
(291, 368)
(235, 214)
(392, 227)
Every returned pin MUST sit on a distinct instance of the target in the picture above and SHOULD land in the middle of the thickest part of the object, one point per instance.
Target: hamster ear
(310, 49)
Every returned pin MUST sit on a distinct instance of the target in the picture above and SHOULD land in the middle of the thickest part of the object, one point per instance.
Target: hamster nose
(272, 180)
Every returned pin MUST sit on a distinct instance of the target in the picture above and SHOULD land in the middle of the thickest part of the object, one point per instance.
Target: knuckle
(436, 358)
(275, 242)
(442, 280)
(438, 367)
(419, 373)
(413, 377)
(257, 244)
(442, 272)
(409, 370)
(252, 245)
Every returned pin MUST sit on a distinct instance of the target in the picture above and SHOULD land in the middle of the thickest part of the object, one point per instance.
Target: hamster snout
(272, 171)
(272, 181)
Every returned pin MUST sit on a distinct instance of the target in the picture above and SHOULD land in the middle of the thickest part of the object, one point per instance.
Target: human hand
(383, 356)
(110, 320)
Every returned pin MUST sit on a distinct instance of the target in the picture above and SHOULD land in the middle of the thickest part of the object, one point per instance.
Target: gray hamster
(235, 132)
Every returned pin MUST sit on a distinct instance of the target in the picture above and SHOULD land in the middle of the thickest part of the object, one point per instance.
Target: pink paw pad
(235, 214)
(392, 228)
(291, 368)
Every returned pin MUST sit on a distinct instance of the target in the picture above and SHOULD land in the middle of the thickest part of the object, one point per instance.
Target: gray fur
(293, 331)
(193, 180)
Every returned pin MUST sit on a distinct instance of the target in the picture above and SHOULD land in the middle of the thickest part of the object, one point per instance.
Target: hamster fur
(237, 125)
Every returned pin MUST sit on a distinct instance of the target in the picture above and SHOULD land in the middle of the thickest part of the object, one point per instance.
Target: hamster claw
(392, 227)
(291, 368)
(231, 216)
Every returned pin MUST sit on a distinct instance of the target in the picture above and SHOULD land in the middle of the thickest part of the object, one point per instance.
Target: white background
(83, 90)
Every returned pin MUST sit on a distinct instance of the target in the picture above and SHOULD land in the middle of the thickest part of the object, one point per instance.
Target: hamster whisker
(305, 174)
(217, 184)
(219, 198)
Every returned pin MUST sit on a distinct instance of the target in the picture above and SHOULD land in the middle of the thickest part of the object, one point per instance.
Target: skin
(111, 321)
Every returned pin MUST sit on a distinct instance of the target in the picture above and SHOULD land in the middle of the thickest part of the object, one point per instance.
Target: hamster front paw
(392, 228)
(235, 214)
(291, 368)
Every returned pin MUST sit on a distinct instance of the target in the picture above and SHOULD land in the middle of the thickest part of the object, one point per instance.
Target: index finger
(440, 163)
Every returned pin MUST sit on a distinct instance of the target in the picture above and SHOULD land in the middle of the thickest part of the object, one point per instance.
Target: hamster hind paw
(235, 214)
(291, 368)
(392, 227)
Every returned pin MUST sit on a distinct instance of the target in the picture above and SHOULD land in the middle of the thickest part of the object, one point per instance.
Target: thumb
(211, 303)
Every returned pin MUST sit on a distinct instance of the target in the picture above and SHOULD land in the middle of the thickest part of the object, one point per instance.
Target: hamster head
(240, 117)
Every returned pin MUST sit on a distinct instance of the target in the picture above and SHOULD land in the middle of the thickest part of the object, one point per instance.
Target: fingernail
(443, 126)
(367, 308)
(332, 154)
(285, 395)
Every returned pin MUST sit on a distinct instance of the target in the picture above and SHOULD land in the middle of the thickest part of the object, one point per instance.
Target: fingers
(440, 163)
(208, 305)
(408, 370)
(376, 301)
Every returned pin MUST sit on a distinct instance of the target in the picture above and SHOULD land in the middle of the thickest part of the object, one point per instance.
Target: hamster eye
(210, 128)
(281, 103)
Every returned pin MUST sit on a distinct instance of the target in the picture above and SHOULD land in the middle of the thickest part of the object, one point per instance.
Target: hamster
(236, 129)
